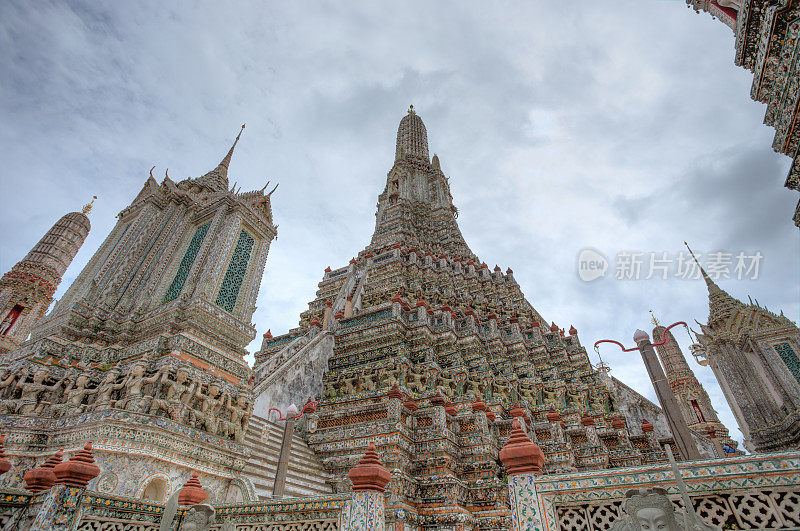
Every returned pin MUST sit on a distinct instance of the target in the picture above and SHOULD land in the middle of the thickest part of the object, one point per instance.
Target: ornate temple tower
(767, 43)
(754, 355)
(692, 398)
(26, 291)
(144, 352)
(420, 347)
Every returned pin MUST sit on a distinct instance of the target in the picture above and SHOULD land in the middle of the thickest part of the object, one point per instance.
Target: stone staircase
(305, 476)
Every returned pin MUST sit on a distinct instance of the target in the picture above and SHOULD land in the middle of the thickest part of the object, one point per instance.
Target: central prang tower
(418, 346)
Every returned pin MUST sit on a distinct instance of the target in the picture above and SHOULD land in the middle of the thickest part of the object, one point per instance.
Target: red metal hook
(309, 405)
(662, 342)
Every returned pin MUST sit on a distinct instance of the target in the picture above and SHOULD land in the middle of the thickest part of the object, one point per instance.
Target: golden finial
(88, 206)
(653, 318)
(411, 110)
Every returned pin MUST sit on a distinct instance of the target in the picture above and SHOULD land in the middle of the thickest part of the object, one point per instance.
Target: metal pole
(283, 459)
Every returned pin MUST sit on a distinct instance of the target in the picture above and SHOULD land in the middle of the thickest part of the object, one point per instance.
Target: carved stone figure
(446, 382)
(8, 388)
(32, 400)
(369, 381)
(550, 396)
(394, 377)
(134, 399)
(198, 518)
(574, 399)
(176, 401)
(75, 395)
(331, 385)
(349, 384)
(650, 510)
(210, 404)
(415, 380)
(530, 393)
(472, 387)
(598, 402)
(104, 398)
(240, 415)
(7, 381)
(500, 389)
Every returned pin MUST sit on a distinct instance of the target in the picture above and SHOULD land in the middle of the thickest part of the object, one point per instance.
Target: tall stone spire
(27, 290)
(412, 138)
(217, 179)
(720, 304)
(692, 398)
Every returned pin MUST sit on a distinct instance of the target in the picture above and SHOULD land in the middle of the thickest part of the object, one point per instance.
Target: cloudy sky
(620, 126)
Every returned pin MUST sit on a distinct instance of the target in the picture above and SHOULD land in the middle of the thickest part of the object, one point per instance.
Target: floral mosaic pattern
(789, 357)
(525, 506)
(229, 291)
(186, 264)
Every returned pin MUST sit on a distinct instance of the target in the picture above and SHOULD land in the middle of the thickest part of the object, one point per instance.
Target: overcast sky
(618, 126)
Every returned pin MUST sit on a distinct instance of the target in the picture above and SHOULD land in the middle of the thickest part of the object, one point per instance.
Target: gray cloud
(561, 126)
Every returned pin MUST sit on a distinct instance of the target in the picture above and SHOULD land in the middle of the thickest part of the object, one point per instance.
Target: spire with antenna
(653, 319)
(217, 179)
(87, 208)
(720, 303)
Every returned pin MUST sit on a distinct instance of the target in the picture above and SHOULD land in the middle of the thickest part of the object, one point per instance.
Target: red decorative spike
(42, 477)
(192, 492)
(369, 474)
(520, 455)
(79, 470)
(5, 464)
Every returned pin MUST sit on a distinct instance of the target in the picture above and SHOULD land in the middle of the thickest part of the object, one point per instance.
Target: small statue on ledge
(651, 510)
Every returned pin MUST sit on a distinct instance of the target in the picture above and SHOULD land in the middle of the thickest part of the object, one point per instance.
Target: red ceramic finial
(395, 392)
(192, 492)
(516, 411)
(553, 415)
(410, 404)
(520, 455)
(479, 405)
(310, 406)
(42, 477)
(268, 334)
(572, 330)
(315, 322)
(328, 269)
(5, 464)
(438, 399)
(553, 327)
(339, 315)
(646, 426)
(369, 474)
(79, 470)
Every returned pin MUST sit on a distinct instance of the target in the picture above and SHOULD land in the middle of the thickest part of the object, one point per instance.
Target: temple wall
(746, 492)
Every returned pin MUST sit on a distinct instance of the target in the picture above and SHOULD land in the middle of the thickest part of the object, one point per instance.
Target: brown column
(283, 459)
(677, 424)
